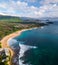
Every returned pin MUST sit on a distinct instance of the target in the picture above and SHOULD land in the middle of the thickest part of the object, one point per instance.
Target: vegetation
(3, 57)
(0, 45)
(3, 63)
(10, 27)
(10, 18)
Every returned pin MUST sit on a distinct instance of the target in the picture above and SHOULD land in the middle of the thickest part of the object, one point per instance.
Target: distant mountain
(9, 18)
(41, 19)
(50, 18)
(27, 19)
(17, 19)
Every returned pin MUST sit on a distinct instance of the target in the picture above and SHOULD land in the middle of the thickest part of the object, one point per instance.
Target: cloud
(18, 8)
(22, 9)
(50, 8)
(49, 1)
(32, 1)
(3, 5)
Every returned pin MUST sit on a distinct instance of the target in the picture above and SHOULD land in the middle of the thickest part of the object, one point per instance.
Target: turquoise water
(38, 46)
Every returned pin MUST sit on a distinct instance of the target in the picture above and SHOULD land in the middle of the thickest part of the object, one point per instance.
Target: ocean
(37, 46)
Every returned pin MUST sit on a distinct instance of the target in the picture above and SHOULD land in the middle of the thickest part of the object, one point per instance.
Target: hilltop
(10, 18)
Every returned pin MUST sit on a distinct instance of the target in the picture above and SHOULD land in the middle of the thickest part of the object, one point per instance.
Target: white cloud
(48, 1)
(3, 5)
(2, 14)
(32, 1)
(22, 8)
(19, 8)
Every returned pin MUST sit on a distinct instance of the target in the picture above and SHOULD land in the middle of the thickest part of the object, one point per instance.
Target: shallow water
(37, 46)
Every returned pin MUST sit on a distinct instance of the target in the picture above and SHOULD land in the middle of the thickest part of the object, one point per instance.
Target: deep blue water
(38, 46)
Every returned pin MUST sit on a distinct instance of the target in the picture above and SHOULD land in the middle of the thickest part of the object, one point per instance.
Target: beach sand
(4, 41)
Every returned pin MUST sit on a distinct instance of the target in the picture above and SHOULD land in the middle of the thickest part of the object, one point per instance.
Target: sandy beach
(4, 41)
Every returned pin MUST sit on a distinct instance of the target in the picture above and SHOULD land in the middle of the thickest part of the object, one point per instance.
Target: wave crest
(24, 48)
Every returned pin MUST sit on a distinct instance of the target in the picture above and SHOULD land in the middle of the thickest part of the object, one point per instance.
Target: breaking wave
(24, 48)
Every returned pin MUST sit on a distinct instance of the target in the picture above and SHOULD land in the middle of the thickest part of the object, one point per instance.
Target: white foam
(42, 27)
(24, 48)
(11, 41)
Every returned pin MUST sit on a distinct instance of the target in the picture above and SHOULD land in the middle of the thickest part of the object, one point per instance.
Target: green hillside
(10, 18)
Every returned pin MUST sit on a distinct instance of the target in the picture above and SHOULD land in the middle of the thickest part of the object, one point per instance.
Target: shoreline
(4, 41)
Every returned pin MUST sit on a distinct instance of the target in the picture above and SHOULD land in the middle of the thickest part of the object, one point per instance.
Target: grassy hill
(10, 18)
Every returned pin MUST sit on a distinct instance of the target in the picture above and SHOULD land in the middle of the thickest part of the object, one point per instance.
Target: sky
(29, 8)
